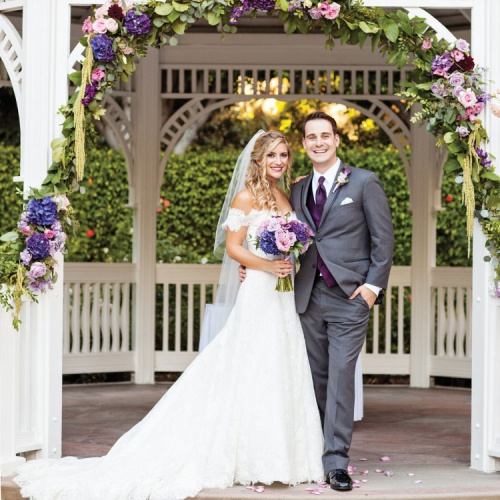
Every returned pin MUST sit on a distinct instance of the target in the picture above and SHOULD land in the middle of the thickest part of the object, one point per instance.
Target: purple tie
(320, 198)
(320, 205)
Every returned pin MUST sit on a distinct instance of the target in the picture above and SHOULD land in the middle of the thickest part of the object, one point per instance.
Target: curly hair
(256, 179)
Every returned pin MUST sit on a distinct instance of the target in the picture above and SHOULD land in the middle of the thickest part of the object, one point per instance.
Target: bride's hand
(281, 267)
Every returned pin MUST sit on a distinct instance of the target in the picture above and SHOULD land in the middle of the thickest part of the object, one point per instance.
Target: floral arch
(446, 83)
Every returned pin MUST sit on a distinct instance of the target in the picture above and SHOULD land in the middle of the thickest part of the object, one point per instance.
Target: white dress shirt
(329, 176)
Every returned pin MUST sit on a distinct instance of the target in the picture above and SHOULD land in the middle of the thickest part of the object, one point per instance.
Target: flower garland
(446, 82)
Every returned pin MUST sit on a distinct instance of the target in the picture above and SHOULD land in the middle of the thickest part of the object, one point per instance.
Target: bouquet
(284, 235)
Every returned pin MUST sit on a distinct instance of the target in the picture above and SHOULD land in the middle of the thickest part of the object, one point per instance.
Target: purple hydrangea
(300, 231)
(137, 24)
(39, 285)
(267, 243)
(248, 5)
(102, 47)
(38, 246)
(25, 257)
(441, 64)
(42, 212)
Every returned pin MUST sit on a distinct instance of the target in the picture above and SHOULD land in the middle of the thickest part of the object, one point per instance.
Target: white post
(424, 187)
(485, 423)
(44, 91)
(146, 116)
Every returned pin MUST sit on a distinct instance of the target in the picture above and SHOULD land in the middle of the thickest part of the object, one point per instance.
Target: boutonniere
(343, 178)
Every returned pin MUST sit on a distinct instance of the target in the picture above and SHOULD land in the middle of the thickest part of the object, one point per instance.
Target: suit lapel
(303, 200)
(332, 196)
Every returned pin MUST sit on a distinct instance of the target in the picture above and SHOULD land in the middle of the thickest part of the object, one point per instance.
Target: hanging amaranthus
(79, 114)
(468, 197)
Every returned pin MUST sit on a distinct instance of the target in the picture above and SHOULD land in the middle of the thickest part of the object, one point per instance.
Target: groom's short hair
(319, 115)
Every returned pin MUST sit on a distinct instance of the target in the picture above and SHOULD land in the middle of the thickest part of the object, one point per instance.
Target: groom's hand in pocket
(369, 296)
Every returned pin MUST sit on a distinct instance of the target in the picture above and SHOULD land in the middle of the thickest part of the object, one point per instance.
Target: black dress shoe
(339, 480)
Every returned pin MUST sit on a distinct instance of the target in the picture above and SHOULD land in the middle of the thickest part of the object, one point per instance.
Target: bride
(244, 411)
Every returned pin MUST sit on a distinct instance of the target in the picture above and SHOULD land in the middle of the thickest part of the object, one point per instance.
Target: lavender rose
(462, 131)
(102, 47)
(456, 79)
(37, 270)
(137, 24)
(38, 246)
(42, 212)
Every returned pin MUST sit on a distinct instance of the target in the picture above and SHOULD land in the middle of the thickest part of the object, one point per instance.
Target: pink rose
(26, 230)
(102, 10)
(467, 98)
(61, 200)
(285, 240)
(478, 108)
(457, 55)
(495, 109)
(275, 224)
(49, 234)
(323, 8)
(87, 26)
(97, 75)
(473, 118)
(112, 25)
(426, 44)
(99, 25)
(37, 270)
(440, 72)
(333, 11)
(128, 50)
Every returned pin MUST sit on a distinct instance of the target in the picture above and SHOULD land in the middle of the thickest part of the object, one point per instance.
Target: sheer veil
(216, 314)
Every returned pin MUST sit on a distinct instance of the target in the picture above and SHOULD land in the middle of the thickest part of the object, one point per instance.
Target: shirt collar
(329, 175)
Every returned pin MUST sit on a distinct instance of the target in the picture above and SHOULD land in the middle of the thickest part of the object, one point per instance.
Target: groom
(340, 278)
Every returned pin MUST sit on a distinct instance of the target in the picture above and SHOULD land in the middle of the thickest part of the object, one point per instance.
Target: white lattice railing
(99, 308)
(221, 80)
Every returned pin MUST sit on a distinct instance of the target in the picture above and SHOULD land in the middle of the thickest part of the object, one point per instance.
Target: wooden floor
(424, 432)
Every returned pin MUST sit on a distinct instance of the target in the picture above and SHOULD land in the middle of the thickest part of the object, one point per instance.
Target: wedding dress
(243, 412)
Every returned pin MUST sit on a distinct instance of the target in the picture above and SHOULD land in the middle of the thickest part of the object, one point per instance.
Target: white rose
(111, 24)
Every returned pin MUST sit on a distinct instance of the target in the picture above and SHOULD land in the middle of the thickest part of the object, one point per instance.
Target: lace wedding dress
(243, 412)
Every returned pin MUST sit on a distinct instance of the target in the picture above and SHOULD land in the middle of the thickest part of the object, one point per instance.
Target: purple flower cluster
(42, 212)
(102, 47)
(90, 92)
(267, 243)
(248, 5)
(483, 156)
(137, 24)
(44, 238)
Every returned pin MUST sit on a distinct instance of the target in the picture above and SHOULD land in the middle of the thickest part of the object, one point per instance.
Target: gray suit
(355, 240)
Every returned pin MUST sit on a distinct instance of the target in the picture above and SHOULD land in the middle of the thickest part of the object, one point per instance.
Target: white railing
(99, 304)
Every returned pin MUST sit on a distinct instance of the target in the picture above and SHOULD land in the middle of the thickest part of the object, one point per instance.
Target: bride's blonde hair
(256, 179)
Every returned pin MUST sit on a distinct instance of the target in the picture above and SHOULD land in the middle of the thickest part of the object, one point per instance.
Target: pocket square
(346, 201)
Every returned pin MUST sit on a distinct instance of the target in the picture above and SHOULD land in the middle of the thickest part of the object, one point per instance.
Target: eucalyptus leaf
(9, 237)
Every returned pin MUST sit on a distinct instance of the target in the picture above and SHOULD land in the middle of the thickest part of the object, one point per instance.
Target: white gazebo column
(146, 115)
(34, 355)
(485, 421)
(424, 187)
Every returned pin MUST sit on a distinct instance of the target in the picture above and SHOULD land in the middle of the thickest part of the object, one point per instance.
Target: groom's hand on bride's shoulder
(242, 273)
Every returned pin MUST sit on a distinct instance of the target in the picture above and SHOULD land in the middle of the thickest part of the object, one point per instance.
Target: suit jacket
(355, 237)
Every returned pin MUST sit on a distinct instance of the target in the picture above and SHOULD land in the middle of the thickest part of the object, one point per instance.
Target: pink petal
(350, 469)
(411, 474)
(321, 484)
(379, 470)
(385, 459)
(389, 473)
(362, 459)
(364, 480)
(259, 489)
(356, 481)
(418, 481)
(364, 473)
(356, 486)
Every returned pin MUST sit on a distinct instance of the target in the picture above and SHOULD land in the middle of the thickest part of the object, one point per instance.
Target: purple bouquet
(284, 235)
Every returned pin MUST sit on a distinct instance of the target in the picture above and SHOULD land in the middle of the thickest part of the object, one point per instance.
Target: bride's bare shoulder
(244, 201)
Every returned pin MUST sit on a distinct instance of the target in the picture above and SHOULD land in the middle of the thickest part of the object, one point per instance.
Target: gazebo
(101, 317)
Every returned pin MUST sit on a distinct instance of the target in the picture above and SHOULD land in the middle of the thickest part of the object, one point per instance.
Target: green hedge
(191, 197)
